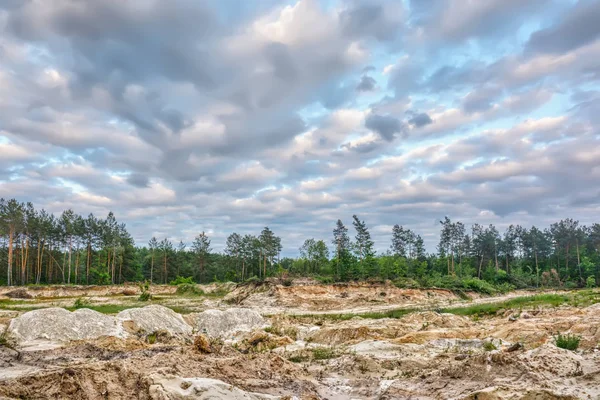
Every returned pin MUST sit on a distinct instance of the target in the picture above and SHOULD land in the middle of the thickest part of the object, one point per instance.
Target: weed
(151, 338)
(81, 302)
(298, 358)
(189, 289)
(568, 341)
(489, 346)
(145, 289)
(181, 280)
(323, 353)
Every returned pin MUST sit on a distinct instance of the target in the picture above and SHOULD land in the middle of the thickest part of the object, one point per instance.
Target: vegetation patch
(568, 341)
(189, 289)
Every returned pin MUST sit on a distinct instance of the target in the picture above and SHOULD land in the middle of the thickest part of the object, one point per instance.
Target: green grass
(553, 300)
(323, 353)
(568, 341)
(580, 298)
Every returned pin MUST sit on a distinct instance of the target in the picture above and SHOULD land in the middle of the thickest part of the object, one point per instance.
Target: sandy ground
(423, 355)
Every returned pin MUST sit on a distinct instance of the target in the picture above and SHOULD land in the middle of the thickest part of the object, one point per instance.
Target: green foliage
(323, 353)
(81, 302)
(590, 282)
(189, 289)
(181, 280)
(489, 346)
(145, 295)
(253, 280)
(568, 341)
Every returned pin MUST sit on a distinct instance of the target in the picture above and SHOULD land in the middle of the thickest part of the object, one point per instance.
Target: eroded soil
(307, 351)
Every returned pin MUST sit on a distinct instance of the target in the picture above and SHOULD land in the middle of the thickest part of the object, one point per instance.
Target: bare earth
(294, 350)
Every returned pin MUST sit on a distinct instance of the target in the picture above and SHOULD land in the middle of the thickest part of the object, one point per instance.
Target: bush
(489, 346)
(568, 341)
(181, 280)
(189, 289)
(145, 288)
(145, 296)
(252, 279)
(81, 302)
(325, 280)
(590, 282)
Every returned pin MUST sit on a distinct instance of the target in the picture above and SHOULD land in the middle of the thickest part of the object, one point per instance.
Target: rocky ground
(304, 341)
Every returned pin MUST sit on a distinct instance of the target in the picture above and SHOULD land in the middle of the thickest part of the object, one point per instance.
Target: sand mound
(155, 318)
(551, 361)
(218, 323)
(174, 387)
(60, 325)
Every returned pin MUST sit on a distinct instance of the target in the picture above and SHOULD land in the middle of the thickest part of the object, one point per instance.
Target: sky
(223, 115)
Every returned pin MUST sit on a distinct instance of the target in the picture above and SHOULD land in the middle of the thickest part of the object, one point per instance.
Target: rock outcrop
(155, 318)
(60, 325)
(164, 387)
(226, 323)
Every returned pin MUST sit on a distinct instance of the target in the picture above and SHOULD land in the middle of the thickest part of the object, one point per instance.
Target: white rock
(155, 318)
(60, 325)
(173, 387)
(223, 324)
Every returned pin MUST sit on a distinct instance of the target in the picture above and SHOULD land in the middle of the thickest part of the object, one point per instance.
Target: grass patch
(553, 300)
(568, 341)
(323, 353)
(189, 289)
(489, 346)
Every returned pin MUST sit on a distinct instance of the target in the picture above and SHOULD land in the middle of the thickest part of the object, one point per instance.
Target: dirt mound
(60, 325)
(427, 319)
(173, 387)
(549, 360)
(155, 318)
(500, 393)
(224, 324)
(20, 293)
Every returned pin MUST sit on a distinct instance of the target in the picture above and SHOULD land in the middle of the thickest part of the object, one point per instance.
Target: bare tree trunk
(537, 268)
(87, 264)
(11, 234)
(479, 269)
(151, 266)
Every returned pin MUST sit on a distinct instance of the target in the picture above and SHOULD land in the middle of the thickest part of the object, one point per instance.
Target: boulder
(163, 387)
(155, 318)
(60, 325)
(217, 323)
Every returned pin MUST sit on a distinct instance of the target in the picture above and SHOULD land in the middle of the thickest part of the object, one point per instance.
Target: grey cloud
(138, 180)
(481, 99)
(366, 84)
(378, 19)
(578, 27)
(386, 126)
(420, 120)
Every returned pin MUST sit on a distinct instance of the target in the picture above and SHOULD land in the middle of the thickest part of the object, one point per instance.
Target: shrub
(189, 289)
(489, 346)
(252, 279)
(325, 280)
(145, 296)
(590, 282)
(550, 278)
(81, 302)
(145, 288)
(287, 282)
(568, 341)
(181, 280)
(323, 353)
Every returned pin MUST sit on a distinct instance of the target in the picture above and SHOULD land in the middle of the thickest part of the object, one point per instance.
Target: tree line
(37, 247)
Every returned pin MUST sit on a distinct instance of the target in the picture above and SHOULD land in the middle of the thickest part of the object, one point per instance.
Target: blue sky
(223, 116)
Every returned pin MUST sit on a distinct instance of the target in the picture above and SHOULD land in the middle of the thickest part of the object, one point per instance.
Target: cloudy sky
(223, 116)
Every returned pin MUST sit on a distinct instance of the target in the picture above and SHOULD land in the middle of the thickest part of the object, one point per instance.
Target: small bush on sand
(81, 302)
(181, 280)
(590, 282)
(489, 346)
(568, 341)
(145, 288)
(189, 289)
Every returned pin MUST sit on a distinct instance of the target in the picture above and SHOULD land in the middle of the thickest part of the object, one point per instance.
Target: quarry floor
(305, 341)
